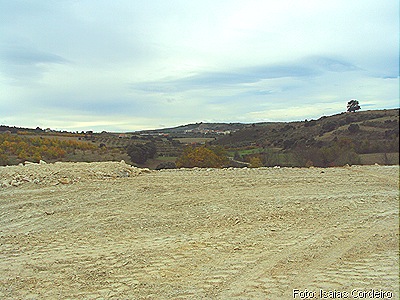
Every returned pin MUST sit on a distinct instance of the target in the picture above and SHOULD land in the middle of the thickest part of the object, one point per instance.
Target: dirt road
(268, 233)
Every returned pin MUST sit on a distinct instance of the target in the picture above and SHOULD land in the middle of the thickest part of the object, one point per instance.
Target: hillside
(357, 134)
(364, 137)
(373, 125)
(196, 129)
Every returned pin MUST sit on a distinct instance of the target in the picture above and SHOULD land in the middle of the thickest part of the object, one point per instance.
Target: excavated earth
(113, 231)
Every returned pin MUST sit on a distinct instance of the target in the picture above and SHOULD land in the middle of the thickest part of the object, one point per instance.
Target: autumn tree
(255, 162)
(203, 157)
(37, 148)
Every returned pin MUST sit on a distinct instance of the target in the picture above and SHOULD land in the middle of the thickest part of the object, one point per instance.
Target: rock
(15, 182)
(4, 184)
(124, 173)
(64, 180)
(42, 162)
(26, 179)
(26, 163)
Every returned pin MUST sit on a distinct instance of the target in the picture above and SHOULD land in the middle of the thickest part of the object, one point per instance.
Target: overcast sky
(134, 64)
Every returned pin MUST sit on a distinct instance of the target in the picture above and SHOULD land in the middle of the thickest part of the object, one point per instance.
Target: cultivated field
(111, 231)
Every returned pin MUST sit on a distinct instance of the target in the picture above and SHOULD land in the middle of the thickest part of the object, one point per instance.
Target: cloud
(23, 62)
(172, 62)
(332, 64)
(299, 112)
(304, 68)
(25, 56)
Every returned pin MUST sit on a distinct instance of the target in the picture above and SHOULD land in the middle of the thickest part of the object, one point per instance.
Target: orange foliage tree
(37, 148)
(203, 157)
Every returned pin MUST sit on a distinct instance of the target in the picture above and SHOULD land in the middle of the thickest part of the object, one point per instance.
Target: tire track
(273, 277)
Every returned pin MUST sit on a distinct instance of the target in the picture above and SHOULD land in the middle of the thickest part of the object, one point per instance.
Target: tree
(202, 157)
(353, 105)
(140, 153)
(270, 158)
(255, 162)
(237, 156)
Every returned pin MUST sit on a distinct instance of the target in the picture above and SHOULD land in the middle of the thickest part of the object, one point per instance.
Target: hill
(364, 137)
(372, 125)
(197, 129)
(361, 133)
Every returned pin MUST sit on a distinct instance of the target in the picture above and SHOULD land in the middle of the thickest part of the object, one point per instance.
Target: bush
(203, 157)
(271, 158)
(310, 123)
(255, 162)
(140, 153)
(166, 165)
(353, 128)
(329, 126)
(338, 154)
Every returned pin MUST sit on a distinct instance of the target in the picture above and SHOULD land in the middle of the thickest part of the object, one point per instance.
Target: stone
(15, 182)
(64, 180)
(4, 184)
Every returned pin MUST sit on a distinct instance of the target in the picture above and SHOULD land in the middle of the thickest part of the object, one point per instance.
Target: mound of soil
(64, 172)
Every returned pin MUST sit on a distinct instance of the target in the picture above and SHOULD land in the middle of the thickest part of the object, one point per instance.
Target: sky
(130, 65)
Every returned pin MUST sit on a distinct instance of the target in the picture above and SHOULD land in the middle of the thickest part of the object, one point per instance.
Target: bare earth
(111, 231)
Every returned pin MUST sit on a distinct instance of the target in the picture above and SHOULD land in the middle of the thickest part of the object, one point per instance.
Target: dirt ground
(111, 231)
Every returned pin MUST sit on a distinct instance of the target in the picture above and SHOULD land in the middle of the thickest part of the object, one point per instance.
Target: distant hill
(245, 133)
(365, 137)
(362, 137)
(197, 128)
(373, 125)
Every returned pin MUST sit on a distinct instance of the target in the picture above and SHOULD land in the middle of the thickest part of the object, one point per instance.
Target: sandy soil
(111, 231)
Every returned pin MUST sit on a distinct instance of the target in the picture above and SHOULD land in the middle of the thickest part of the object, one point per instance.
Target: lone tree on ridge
(353, 105)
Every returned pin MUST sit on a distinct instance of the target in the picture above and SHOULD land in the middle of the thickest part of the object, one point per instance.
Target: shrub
(140, 153)
(255, 162)
(166, 165)
(203, 157)
(329, 126)
(353, 128)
